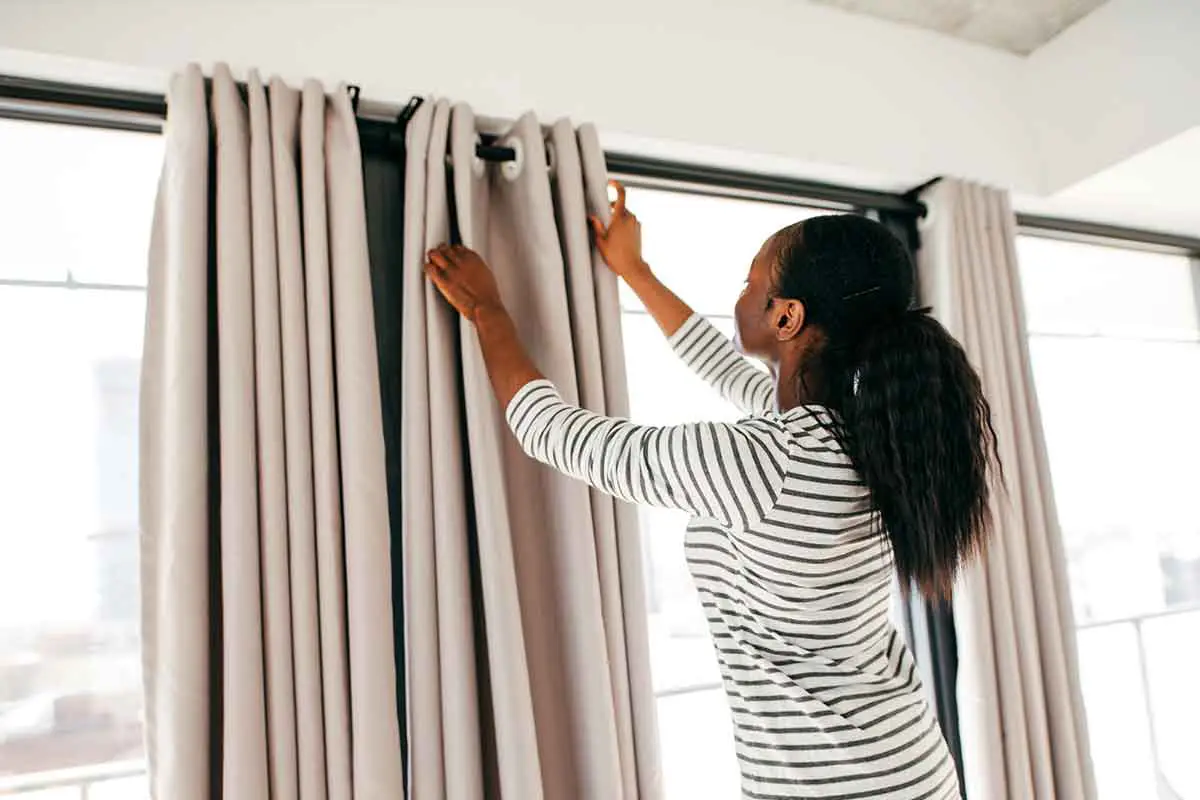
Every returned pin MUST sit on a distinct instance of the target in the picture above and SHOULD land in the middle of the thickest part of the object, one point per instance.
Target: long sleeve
(730, 473)
(711, 355)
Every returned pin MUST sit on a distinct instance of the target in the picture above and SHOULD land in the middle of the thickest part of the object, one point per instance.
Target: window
(1114, 337)
(701, 247)
(75, 211)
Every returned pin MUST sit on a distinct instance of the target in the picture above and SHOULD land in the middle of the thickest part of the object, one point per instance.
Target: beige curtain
(269, 664)
(1021, 713)
(528, 673)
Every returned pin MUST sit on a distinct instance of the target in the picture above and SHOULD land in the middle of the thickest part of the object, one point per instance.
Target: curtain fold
(1021, 712)
(267, 631)
(540, 687)
(444, 733)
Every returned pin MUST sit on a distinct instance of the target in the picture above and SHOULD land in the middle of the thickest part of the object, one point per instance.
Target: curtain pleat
(273, 509)
(174, 492)
(297, 417)
(375, 728)
(244, 731)
(383, 189)
(446, 744)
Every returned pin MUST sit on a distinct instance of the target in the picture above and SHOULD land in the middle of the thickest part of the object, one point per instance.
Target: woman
(867, 449)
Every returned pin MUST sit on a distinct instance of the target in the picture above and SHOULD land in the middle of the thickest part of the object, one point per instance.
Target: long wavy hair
(911, 410)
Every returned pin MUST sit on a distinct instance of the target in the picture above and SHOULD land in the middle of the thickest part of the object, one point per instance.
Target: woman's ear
(788, 319)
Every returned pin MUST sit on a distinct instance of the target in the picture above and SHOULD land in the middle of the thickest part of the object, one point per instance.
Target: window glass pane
(698, 755)
(1172, 646)
(1122, 424)
(1115, 348)
(1080, 289)
(73, 201)
(84, 203)
(702, 246)
(651, 365)
(1118, 722)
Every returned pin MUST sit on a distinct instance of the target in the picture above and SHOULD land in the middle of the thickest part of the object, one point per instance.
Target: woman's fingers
(442, 283)
(598, 227)
(449, 256)
(436, 273)
(445, 285)
(436, 276)
(444, 257)
(619, 205)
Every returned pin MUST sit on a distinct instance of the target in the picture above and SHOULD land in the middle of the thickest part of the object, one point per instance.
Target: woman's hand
(620, 244)
(464, 280)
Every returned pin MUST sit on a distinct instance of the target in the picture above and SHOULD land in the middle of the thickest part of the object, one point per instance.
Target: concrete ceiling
(1018, 26)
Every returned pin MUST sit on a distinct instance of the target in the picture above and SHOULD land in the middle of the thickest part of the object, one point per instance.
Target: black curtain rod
(705, 177)
(120, 109)
(1100, 233)
(97, 97)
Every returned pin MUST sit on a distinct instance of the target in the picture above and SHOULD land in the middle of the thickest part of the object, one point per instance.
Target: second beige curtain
(1021, 715)
(528, 667)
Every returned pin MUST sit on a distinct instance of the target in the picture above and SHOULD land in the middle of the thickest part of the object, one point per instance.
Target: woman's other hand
(620, 244)
(464, 279)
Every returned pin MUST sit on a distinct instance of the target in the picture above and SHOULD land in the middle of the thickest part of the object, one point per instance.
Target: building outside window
(75, 213)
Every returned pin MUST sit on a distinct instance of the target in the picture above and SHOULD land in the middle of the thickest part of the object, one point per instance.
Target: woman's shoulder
(812, 436)
(808, 426)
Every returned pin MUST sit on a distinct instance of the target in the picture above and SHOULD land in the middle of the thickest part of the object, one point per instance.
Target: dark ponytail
(913, 416)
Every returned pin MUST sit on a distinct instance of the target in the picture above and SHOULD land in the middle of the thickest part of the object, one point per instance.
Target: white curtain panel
(1021, 714)
(525, 617)
(266, 586)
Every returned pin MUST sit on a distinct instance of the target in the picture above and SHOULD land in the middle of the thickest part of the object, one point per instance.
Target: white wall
(1122, 80)
(767, 77)
(775, 85)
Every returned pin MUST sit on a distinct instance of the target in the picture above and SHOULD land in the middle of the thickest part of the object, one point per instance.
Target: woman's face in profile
(754, 333)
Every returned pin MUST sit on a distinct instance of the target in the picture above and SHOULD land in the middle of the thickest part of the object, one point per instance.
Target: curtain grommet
(511, 170)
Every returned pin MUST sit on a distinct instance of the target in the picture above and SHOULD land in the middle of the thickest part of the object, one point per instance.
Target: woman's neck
(799, 376)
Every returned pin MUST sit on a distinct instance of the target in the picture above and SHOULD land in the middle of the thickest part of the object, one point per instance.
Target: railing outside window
(120, 780)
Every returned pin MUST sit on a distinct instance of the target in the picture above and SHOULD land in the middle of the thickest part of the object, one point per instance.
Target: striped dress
(825, 696)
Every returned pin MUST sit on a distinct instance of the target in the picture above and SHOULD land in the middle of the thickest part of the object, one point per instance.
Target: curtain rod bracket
(410, 109)
(914, 194)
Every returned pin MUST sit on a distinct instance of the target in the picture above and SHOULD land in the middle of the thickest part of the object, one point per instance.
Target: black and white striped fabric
(825, 696)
